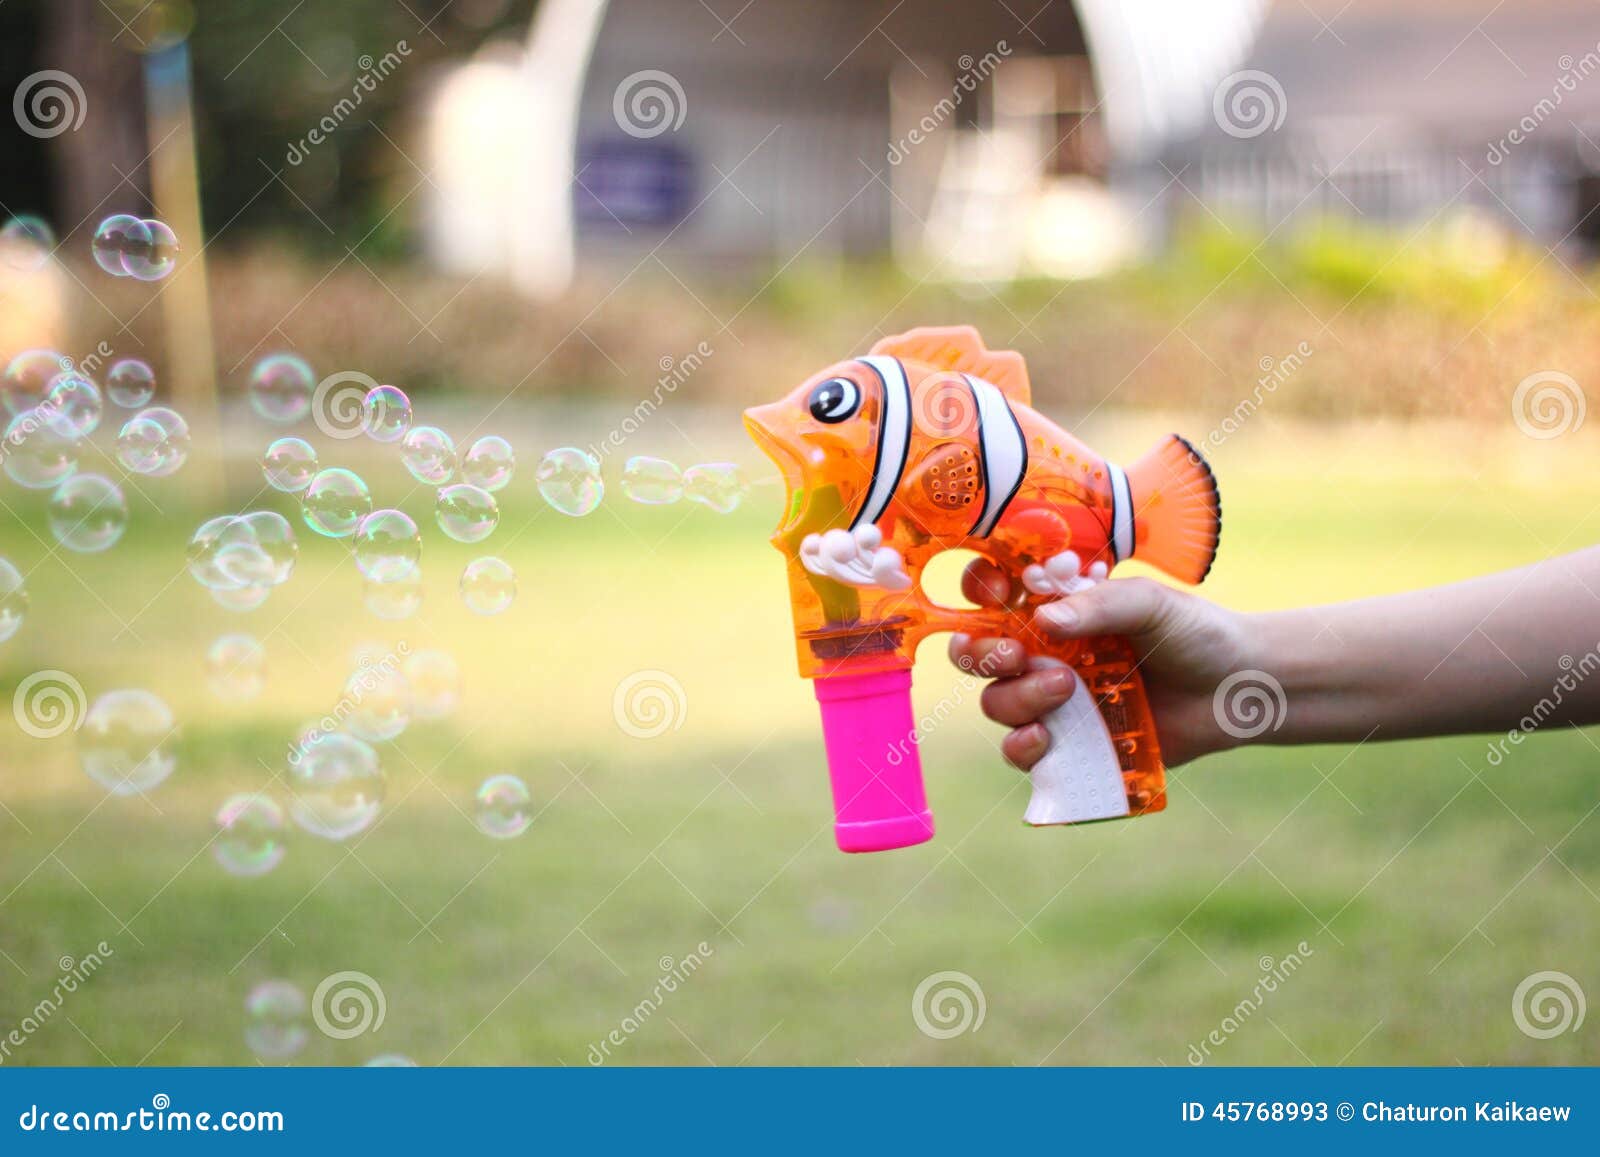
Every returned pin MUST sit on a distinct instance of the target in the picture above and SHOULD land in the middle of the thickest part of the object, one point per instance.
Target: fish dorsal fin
(960, 348)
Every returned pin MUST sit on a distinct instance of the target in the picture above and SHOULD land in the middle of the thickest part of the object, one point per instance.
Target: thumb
(1129, 607)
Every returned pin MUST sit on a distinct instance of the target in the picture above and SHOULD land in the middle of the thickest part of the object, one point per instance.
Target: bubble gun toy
(929, 444)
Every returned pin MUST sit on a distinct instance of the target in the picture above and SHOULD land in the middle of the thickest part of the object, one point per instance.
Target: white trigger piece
(855, 558)
(1060, 575)
(1079, 777)
(1037, 580)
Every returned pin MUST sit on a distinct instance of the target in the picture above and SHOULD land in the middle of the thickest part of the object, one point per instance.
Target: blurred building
(1398, 114)
(982, 139)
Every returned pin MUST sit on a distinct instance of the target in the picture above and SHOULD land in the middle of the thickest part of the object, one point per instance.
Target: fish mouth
(762, 424)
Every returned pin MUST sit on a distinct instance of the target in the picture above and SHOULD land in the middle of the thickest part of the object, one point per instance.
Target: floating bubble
(37, 455)
(130, 383)
(395, 600)
(241, 598)
(202, 553)
(435, 682)
(275, 1020)
(429, 454)
(73, 406)
(116, 237)
(272, 534)
(502, 807)
(652, 481)
(715, 484)
(88, 513)
(489, 463)
(335, 502)
(154, 442)
(289, 465)
(386, 413)
(26, 242)
(390, 1061)
(488, 586)
(125, 742)
(250, 831)
(465, 512)
(387, 546)
(336, 784)
(280, 388)
(154, 259)
(382, 703)
(236, 668)
(569, 479)
(27, 379)
(13, 600)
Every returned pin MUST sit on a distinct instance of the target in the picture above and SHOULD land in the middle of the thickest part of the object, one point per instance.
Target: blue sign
(623, 183)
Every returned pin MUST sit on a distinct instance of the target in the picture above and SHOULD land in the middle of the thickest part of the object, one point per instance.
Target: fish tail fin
(1177, 512)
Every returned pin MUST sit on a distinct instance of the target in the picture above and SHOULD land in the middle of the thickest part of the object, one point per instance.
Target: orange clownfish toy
(928, 444)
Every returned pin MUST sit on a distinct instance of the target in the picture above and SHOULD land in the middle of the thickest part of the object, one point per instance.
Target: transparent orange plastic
(974, 467)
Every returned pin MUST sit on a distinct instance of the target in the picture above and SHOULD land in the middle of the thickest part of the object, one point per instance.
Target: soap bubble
(435, 681)
(488, 586)
(88, 513)
(715, 484)
(390, 1061)
(154, 442)
(37, 455)
(125, 742)
(489, 463)
(275, 1020)
(335, 503)
(337, 785)
(652, 481)
(289, 465)
(386, 413)
(241, 598)
(382, 703)
(387, 546)
(130, 383)
(154, 259)
(27, 379)
(202, 553)
(236, 668)
(395, 600)
(280, 388)
(429, 454)
(116, 237)
(570, 481)
(13, 600)
(73, 405)
(26, 242)
(502, 807)
(465, 512)
(274, 536)
(250, 830)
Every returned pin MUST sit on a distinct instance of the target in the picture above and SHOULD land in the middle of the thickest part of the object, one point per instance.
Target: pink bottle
(873, 761)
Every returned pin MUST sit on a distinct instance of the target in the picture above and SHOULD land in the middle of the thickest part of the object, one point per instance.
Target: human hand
(1186, 646)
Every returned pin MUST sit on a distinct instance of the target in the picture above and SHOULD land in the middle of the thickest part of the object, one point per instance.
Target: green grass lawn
(1424, 882)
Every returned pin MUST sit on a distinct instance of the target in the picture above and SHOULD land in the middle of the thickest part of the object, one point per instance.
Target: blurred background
(1347, 248)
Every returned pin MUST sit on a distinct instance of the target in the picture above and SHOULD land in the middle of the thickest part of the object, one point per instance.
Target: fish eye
(834, 400)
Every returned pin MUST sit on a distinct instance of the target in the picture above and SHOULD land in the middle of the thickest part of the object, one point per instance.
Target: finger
(988, 658)
(985, 584)
(1025, 746)
(1134, 606)
(1019, 701)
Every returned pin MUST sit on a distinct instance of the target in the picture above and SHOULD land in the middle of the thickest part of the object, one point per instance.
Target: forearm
(1476, 656)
